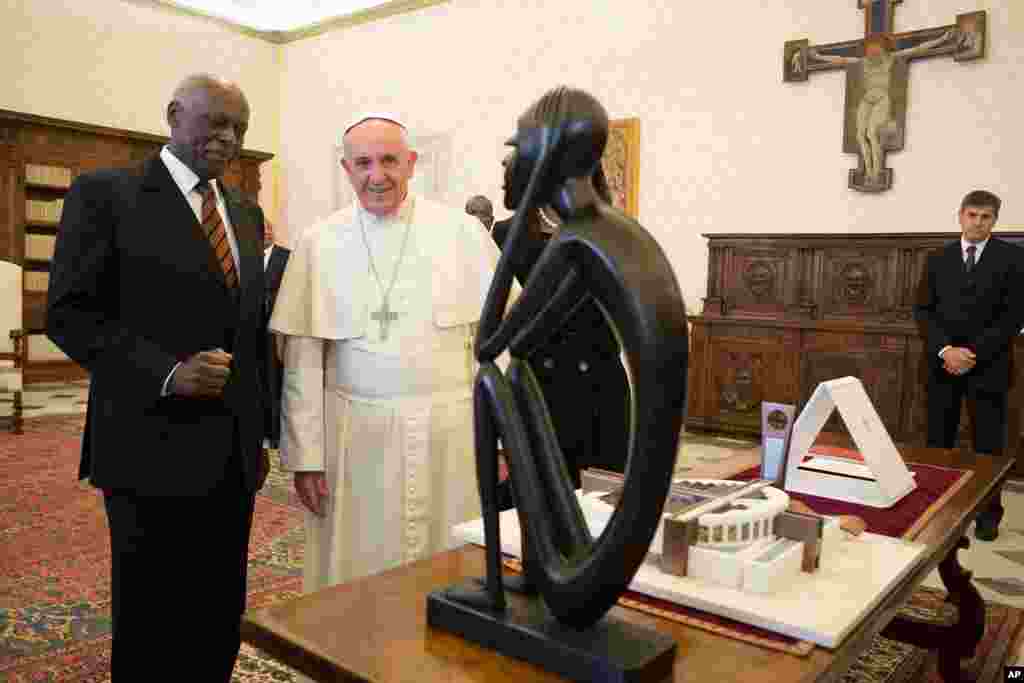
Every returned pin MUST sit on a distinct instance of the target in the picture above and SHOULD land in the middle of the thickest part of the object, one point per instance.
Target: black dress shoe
(986, 530)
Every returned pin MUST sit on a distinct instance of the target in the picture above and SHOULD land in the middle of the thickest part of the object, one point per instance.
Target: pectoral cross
(385, 316)
(876, 79)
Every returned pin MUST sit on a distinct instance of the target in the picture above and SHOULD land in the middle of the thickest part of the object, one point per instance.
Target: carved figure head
(561, 136)
(759, 278)
(856, 283)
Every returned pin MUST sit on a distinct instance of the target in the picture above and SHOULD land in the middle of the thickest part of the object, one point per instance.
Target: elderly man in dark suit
(972, 306)
(157, 290)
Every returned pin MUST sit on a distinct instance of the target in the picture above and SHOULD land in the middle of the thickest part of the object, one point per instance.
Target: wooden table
(374, 629)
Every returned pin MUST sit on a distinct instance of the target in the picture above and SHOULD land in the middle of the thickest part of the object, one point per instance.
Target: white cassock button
(549, 363)
(584, 366)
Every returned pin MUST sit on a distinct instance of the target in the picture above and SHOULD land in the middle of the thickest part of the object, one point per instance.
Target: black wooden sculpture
(601, 253)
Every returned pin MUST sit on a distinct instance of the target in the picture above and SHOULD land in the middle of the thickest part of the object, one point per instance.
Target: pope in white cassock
(378, 307)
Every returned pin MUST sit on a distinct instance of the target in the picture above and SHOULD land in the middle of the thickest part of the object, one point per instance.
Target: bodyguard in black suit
(169, 322)
(972, 307)
(276, 260)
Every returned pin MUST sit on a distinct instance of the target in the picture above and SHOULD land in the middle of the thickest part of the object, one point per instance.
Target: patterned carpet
(54, 564)
(55, 554)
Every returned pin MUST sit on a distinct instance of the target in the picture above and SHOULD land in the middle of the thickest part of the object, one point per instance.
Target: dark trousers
(987, 410)
(178, 582)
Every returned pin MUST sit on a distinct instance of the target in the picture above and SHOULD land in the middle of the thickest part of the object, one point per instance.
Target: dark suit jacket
(275, 371)
(579, 370)
(135, 288)
(982, 311)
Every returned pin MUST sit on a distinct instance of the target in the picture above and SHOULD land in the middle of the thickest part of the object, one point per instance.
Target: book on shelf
(36, 281)
(42, 174)
(40, 247)
(43, 211)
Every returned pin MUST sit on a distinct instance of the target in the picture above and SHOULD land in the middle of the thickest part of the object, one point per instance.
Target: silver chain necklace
(384, 315)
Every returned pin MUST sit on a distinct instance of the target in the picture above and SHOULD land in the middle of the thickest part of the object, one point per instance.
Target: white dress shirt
(186, 180)
(979, 247)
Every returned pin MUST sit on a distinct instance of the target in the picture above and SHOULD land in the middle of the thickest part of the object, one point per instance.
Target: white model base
(822, 607)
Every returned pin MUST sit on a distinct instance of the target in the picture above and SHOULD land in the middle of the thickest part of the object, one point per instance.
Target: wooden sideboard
(785, 312)
(39, 157)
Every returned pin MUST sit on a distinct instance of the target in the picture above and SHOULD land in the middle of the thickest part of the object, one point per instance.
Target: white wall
(115, 64)
(726, 145)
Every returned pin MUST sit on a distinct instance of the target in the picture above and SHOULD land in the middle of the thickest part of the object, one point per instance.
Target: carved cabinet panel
(760, 281)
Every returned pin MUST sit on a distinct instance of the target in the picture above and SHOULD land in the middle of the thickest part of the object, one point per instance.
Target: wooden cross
(385, 316)
(876, 79)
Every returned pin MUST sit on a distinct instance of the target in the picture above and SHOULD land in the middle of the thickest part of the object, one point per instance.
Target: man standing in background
(972, 307)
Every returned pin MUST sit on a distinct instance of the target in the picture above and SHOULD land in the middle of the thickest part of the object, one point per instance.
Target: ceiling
(282, 22)
(272, 15)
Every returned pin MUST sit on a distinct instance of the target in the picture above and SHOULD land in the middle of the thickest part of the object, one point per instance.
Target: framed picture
(621, 162)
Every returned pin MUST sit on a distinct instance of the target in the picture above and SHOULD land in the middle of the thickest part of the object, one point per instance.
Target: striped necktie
(969, 263)
(213, 226)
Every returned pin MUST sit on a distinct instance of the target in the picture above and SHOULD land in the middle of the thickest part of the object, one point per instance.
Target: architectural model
(735, 534)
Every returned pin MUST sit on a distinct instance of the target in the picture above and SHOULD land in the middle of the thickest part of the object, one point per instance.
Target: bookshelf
(39, 158)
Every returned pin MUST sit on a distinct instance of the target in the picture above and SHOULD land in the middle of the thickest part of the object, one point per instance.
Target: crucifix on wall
(876, 79)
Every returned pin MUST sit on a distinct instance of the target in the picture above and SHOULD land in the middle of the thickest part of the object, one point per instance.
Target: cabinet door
(739, 369)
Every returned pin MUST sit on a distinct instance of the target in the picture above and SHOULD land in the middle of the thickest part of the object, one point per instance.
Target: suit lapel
(955, 259)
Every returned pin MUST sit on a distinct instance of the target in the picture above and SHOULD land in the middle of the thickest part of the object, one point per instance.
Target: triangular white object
(883, 478)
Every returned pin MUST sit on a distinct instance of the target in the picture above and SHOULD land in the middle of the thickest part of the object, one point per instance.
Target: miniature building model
(769, 580)
(736, 534)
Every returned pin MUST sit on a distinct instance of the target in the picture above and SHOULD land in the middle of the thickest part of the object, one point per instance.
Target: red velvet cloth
(932, 482)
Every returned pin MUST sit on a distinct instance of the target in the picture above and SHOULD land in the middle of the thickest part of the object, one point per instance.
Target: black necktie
(969, 263)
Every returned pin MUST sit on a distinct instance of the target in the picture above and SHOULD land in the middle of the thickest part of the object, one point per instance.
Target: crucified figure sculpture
(874, 108)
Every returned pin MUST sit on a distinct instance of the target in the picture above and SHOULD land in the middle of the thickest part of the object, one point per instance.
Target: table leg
(957, 639)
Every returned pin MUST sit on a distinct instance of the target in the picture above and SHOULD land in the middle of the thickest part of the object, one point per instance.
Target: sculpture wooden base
(611, 650)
